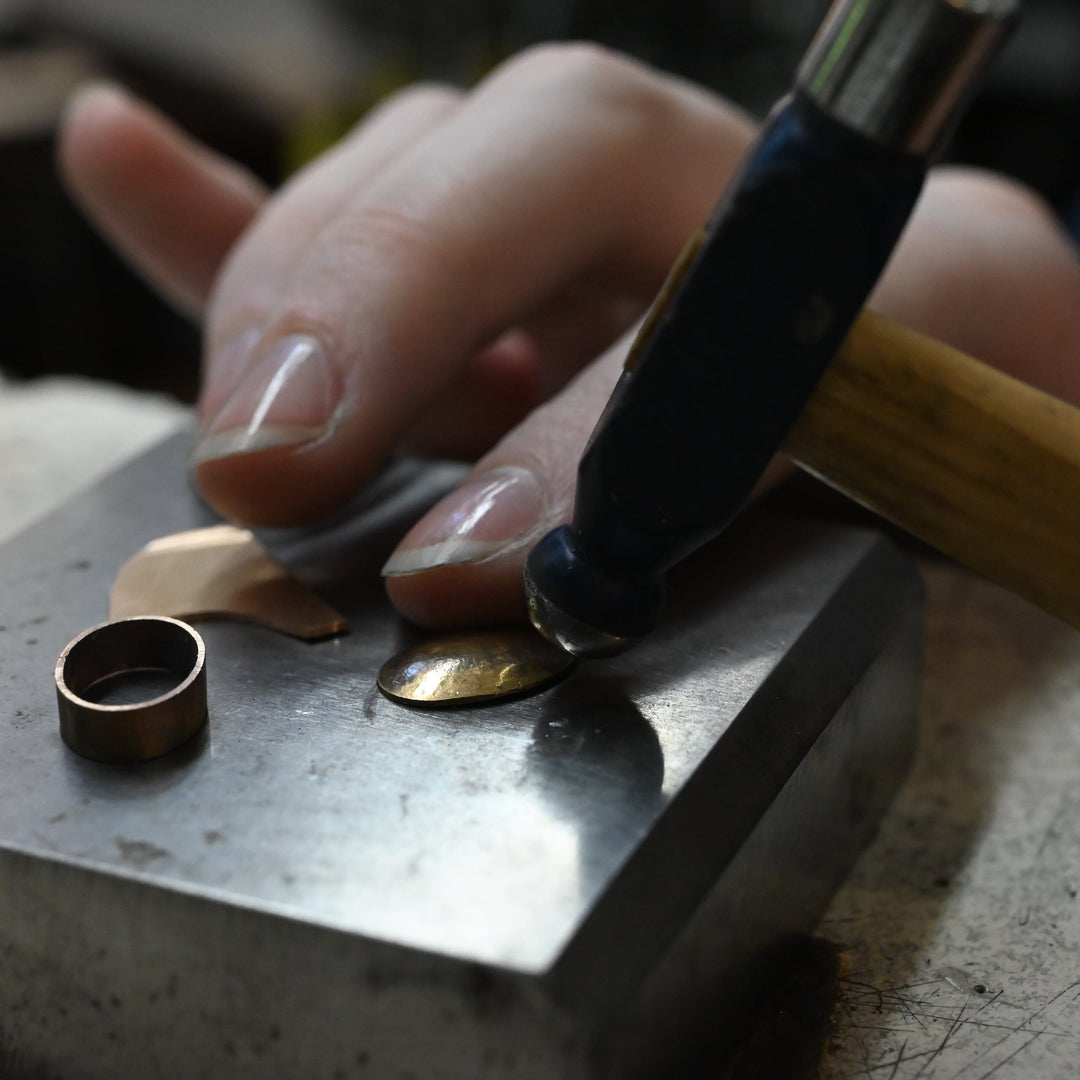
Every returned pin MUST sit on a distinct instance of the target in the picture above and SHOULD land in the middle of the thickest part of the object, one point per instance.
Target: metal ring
(96, 662)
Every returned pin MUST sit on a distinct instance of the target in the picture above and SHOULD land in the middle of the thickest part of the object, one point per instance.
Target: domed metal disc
(473, 667)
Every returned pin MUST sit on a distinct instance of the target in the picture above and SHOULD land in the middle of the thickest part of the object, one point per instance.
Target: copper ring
(142, 729)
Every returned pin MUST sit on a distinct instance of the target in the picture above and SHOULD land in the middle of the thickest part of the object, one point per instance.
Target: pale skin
(461, 275)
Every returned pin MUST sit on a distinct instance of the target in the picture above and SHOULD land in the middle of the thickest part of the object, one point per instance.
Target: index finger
(556, 167)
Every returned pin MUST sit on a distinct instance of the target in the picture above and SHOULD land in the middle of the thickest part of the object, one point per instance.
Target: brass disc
(473, 667)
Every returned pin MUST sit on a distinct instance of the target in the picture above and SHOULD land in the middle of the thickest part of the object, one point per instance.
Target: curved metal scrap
(219, 572)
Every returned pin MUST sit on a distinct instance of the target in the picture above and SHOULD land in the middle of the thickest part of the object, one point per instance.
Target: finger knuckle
(577, 65)
(426, 96)
(381, 227)
(375, 237)
(982, 189)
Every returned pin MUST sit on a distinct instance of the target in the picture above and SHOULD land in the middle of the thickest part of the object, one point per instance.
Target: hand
(443, 279)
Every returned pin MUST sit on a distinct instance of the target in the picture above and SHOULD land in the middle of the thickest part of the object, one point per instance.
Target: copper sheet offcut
(219, 572)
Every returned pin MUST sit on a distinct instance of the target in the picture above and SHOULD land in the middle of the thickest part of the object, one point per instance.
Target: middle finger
(558, 168)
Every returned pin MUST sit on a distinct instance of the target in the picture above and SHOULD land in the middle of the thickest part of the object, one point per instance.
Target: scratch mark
(915, 985)
(941, 1046)
(1019, 1028)
(902, 1061)
(140, 853)
(957, 978)
(899, 1058)
(883, 1048)
(873, 990)
(888, 1029)
(968, 1021)
(1006, 1060)
(891, 1043)
(858, 1037)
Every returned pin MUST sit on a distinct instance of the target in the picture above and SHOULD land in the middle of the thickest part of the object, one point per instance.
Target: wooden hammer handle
(978, 464)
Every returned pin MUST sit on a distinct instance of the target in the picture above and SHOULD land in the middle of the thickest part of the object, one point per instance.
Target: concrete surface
(962, 922)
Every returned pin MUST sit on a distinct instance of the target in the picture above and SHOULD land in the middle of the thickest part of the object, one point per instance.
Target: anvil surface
(326, 883)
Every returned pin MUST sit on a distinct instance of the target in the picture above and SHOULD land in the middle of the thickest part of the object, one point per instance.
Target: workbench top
(961, 924)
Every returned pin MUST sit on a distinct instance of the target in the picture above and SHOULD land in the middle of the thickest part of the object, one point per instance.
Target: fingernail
(103, 91)
(226, 368)
(290, 396)
(491, 514)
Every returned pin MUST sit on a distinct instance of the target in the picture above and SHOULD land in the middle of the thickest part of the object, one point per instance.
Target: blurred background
(271, 82)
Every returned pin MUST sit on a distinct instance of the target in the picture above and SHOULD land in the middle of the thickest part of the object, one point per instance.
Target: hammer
(756, 344)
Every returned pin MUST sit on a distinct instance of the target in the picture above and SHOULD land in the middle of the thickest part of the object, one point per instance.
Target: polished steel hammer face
(162, 656)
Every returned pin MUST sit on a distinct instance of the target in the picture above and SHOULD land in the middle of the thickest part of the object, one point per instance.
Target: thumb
(461, 563)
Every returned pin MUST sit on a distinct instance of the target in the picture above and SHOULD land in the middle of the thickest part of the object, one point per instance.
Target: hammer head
(757, 307)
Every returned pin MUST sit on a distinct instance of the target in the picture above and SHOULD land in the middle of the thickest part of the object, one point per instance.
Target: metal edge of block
(173, 985)
(694, 1003)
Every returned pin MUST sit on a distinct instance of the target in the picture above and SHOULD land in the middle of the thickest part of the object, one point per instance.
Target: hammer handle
(978, 464)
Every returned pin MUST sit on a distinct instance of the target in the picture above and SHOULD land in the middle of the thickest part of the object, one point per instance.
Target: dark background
(270, 82)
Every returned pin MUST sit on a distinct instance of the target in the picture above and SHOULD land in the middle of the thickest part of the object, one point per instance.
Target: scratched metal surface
(562, 842)
(301, 745)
